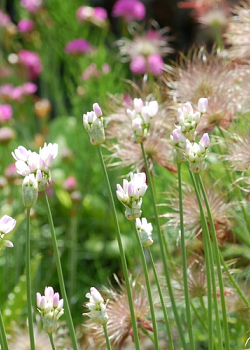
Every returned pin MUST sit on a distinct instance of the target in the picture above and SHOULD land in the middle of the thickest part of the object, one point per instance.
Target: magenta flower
(29, 88)
(78, 46)
(32, 6)
(155, 64)
(25, 25)
(138, 65)
(31, 60)
(129, 9)
(4, 19)
(5, 112)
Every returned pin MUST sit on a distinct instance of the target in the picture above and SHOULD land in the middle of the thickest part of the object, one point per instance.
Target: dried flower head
(237, 34)
(220, 209)
(119, 327)
(203, 74)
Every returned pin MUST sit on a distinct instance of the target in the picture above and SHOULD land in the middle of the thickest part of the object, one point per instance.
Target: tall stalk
(28, 282)
(184, 264)
(3, 338)
(162, 251)
(60, 276)
(122, 254)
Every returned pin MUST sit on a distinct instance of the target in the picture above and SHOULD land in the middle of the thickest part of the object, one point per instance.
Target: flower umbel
(195, 153)
(7, 224)
(93, 123)
(97, 308)
(144, 230)
(51, 309)
(131, 193)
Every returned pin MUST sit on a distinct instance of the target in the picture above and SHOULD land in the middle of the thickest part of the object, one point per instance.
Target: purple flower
(155, 64)
(31, 60)
(29, 88)
(129, 9)
(138, 65)
(78, 46)
(5, 112)
(32, 6)
(25, 25)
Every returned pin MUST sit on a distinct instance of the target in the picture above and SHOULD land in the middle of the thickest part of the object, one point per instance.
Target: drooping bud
(29, 190)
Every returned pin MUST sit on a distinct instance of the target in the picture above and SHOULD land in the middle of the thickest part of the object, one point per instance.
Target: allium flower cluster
(195, 153)
(129, 10)
(28, 162)
(7, 224)
(95, 15)
(51, 309)
(141, 117)
(29, 190)
(98, 313)
(144, 230)
(131, 193)
(93, 123)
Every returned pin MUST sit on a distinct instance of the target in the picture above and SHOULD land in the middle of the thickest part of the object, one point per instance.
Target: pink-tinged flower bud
(204, 142)
(49, 293)
(188, 146)
(96, 296)
(188, 108)
(56, 299)
(138, 105)
(43, 303)
(131, 190)
(155, 64)
(97, 109)
(8, 244)
(38, 299)
(202, 105)
(138, 65)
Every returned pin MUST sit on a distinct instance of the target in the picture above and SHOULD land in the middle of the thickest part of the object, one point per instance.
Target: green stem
(60, 276)
(150, 299)
(73, 254)
(28, 282)
(162, 251)
(184, 264)
(146, 332)
(106, 336)
(51, 341)
(122, 254)
(208, 263)
(3, 337)
(218, 265)
(170, 340)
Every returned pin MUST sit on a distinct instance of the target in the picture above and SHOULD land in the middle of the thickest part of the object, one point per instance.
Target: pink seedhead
(129, 9)
(7, 224)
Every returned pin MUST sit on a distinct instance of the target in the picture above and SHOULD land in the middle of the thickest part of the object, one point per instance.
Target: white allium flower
(93, 123)
(97, 308)
(144, 230)
(51, 309)
(131, 193)
(195, 153)
(7, 224)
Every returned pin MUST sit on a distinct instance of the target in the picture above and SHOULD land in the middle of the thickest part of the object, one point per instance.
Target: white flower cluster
(39, 164)
(141, 116)
(131, 193)
(144, 230)
(184, 135)
(93, 123)
(97, 308)
(51, 309)
(7, 224)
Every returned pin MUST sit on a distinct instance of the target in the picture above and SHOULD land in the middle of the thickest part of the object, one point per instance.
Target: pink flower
(78, 46)
(4, 19)
(100, 14)
(32, 6)
(7, 224)
(29, 88)
(90, 71)
(155, 64)
(5, 112)
(138, 65)
(31, 60)
(25, 25)
(129, 9)
(95, 15)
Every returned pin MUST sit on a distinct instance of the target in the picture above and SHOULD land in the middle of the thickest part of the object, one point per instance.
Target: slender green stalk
(122, 254)
(3, 337)
(150, 299)
(218, 266)
(28, 282)
(106, 336)
(51, 341)
(73, 253)
(170, 340)
(208, 263)
(60, 276)
(184, 264)
(162, 251)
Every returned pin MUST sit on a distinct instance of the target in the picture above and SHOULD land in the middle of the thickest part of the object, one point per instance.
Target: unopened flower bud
(97, 110)
(29, 190)
(202, 105)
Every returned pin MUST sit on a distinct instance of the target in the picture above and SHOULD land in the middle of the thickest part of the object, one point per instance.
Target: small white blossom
(93, 123)
(144, 230)
(131, 193)
(195, 153)
(7, 224)
(51, 309)
(98, 312)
